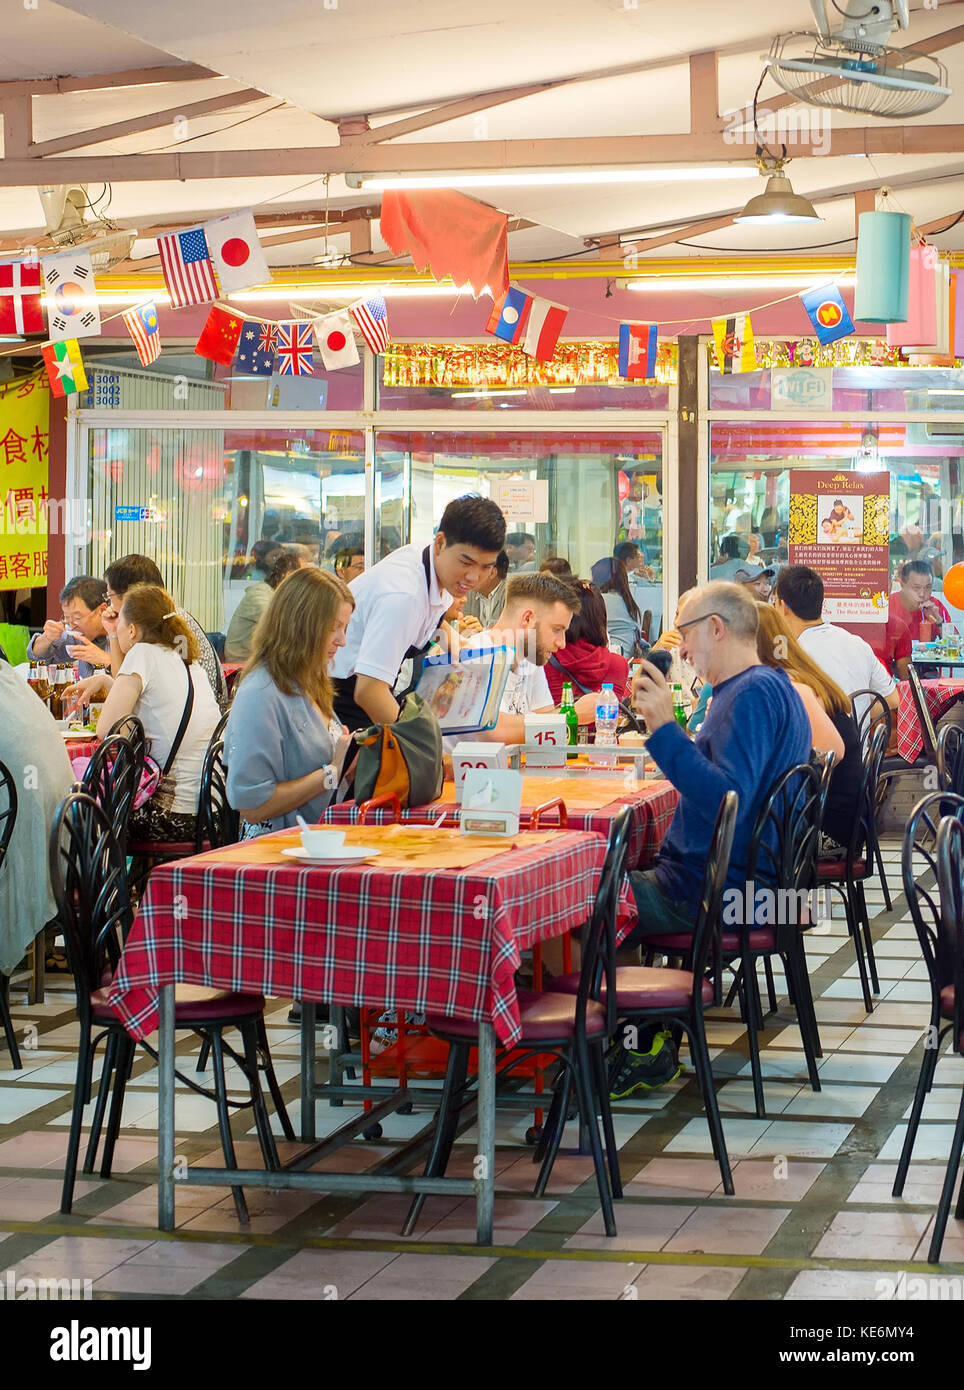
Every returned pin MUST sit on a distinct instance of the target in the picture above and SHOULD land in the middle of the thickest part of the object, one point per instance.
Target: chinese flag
(220, 335)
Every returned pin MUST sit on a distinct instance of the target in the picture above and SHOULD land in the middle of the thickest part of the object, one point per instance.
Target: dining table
(433, 922)
(592, 800)
(940, 694)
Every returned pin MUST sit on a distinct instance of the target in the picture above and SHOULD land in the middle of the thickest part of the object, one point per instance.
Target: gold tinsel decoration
(595, 362)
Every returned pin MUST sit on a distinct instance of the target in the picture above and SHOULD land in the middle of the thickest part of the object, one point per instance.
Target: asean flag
(510, 315)
(543, 327)
(828, 313)
(637, 351)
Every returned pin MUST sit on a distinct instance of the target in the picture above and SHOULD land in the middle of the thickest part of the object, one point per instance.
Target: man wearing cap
(755, 580)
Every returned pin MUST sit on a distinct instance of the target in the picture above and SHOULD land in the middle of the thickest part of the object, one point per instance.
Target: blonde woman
(161, 681)
(284, 749)
(831, 720)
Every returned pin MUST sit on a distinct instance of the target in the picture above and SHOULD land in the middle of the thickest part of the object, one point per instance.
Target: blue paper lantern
(883, 267)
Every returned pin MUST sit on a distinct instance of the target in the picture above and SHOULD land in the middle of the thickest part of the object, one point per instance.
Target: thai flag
(509, 316)
(637, 351)
(544, 325)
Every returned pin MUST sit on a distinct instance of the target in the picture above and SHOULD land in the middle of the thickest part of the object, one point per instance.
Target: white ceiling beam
(154, 120)
(704, 91)
(452, 110)
(101, 81)
(707, 224)
(354, 156)
(17, 113)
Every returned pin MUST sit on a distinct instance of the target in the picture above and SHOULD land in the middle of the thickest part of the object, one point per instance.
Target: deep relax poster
(840, 526)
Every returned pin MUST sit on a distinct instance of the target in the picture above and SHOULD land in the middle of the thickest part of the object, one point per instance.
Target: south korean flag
(71, 295)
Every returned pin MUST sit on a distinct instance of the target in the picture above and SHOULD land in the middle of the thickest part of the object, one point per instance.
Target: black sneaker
(630, 1071)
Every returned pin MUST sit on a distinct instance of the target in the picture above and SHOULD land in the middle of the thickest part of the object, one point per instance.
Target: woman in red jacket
(585, 660)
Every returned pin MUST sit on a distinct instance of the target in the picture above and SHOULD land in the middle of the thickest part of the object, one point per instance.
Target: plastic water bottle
(607, 716)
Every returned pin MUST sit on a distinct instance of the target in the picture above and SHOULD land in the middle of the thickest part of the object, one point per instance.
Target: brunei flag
(734, 344)
(828, 313)
(65, 367)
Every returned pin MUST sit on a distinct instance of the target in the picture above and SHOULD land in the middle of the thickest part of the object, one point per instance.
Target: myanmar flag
(65, 367)
(734, 344)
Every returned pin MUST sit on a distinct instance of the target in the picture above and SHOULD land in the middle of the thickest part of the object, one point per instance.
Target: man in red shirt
(891, 642)
(914, 601)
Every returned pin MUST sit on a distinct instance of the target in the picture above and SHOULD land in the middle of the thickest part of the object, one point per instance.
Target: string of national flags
(205, 263)
(535, 324)
(200, 265)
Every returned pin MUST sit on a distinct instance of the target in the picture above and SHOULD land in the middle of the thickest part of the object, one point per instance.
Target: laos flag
(828, 313)
(509, 316)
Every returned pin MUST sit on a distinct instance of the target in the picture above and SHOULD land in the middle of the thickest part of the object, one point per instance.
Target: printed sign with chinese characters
(24, 501)
(520, 501)
(840, 527)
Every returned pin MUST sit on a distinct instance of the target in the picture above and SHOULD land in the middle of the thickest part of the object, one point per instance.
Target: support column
(688, 451)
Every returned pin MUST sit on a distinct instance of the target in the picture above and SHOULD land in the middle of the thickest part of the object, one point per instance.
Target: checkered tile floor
(812, 1216)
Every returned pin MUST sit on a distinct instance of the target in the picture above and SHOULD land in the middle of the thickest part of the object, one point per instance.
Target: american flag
(143, 327)
(371, 315)
(294, 345)
(188, 272)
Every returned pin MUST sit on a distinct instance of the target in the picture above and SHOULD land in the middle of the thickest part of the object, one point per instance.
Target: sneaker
(630, 1071)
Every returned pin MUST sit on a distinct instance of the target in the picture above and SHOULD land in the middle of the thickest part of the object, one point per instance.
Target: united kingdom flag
(293, 345)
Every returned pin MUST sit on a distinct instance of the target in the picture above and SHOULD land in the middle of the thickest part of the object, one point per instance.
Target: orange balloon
(954, 585)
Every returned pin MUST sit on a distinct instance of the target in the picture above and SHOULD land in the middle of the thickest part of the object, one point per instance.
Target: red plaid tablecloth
(427, 941)
(940, 695)
(652, 810)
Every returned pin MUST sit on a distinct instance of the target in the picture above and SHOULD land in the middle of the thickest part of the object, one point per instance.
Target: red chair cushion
(837, 868)
(644, 987)
(193, 1004)
(947, 1001)
(161, 849)
(545, 1017)
(763, 939)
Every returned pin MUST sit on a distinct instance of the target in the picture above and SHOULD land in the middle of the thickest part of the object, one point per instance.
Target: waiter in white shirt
(400, 602)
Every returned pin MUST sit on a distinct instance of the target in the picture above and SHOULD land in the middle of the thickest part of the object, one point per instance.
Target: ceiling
(314, 66)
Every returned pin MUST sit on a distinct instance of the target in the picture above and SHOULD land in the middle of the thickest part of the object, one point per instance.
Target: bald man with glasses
(754, 730)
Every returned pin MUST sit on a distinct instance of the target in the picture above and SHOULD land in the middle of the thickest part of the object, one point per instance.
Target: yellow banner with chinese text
(24, 481)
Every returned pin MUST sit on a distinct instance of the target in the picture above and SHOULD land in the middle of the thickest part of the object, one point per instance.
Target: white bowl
(321, 842)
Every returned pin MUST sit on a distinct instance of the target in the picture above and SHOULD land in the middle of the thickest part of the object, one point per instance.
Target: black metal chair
(919, 862)
(573, 1028)
(847, 875)
(112, 778)
(950, 758)
(950, 880)
(782, 862)
(218, 823)
(131, 728)
(8, 819)
(89, 881)
(868, 708)
(645, 994)
(923, 714)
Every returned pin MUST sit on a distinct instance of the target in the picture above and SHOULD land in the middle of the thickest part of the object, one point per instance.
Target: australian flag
(256, 349)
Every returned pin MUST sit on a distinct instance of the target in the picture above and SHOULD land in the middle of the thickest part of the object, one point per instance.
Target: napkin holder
(546, 740)
(491, 802)
(468, 757)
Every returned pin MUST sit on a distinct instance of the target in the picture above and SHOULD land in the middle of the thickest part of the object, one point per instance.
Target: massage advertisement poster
(840, 526)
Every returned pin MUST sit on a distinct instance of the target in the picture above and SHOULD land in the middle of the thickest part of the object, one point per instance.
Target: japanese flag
(236, 253)
(335, 340)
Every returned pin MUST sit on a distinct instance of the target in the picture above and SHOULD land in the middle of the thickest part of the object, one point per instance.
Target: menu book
(466, 695)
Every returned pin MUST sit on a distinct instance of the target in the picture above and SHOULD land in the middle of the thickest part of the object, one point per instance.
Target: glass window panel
(180, 379)
(749, 481)
(602, 487)
(862, 389)
(203, 497)
(616, 396)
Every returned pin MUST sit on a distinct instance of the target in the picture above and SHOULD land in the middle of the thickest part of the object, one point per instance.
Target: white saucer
(348, 854)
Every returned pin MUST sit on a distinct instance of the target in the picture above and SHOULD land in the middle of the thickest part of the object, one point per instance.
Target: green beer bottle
(569, 711)
(679, 707)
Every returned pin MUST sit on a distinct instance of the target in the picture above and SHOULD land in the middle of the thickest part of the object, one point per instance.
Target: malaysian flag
(186, 263)
(371, 315)
(293, 345)
(143, 327)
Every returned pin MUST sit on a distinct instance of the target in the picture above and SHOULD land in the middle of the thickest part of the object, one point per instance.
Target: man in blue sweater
(756, 727)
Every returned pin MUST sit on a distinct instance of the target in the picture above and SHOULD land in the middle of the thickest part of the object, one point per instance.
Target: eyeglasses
(681, 627)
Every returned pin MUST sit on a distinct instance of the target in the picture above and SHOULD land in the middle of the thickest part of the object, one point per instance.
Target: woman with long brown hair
(623, 617)
(160, 680)
(829, 711)
(284, 749)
